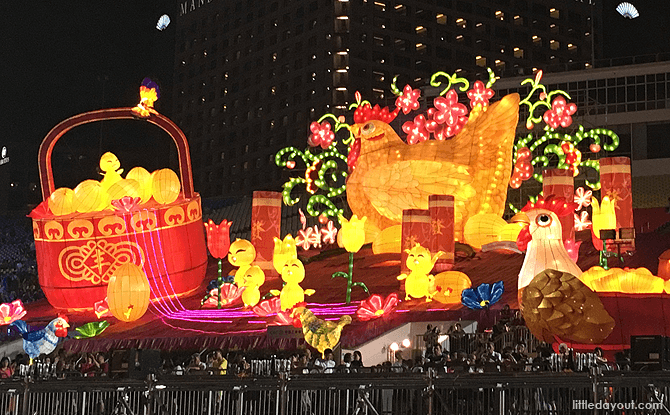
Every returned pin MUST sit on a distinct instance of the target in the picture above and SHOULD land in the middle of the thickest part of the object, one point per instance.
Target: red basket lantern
(78, 253)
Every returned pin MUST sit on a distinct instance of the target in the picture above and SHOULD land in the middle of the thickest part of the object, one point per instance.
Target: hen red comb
(366, 112)
(559, 205)
(64, 317)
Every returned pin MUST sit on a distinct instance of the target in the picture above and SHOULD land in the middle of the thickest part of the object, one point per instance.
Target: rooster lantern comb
(365, 113)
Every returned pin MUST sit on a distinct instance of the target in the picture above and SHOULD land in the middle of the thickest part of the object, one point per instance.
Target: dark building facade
(250, 76)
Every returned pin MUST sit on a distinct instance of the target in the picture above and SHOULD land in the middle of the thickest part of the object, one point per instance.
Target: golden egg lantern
(143, 177)
(89, 196)
(449, 285)
(124, 187)
(128, 292)
(626, 281)
(482, 229)
(165, 185)
(61, 201)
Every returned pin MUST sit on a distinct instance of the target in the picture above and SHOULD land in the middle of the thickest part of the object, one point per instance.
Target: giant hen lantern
(469, 158)
(82, 237)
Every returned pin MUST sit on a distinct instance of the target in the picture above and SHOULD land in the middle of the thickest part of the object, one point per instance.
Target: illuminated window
(400, 9)
(554, 44)
(480, 61)
(572, 47)
(378, 76)
(379, 6)
(459, 38)
(420, 47)
(441, 18)
(500, 15)
(462, 23)
(554, 13)
(553, 28)
(500, 65)
(537, 41)
(274, 57)
(518, 53)
(420, 30)
(518, 20)
(378, 41)
(480, 27)
(400, 44)
(273, 90)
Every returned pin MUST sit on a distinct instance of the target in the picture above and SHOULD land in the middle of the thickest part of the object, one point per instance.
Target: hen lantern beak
(520, 217)
(355, 130)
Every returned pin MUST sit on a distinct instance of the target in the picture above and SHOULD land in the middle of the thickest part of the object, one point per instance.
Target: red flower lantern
(560, 113)
(409, 100)
(375, 306)
(10, 312)
(267, 307)
(286, 318)
(322, 135)
(480, 94)
(228, 294)
(416, 130)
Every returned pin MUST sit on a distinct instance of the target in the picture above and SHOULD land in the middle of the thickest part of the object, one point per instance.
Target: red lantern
(218, 238)
(664, 265)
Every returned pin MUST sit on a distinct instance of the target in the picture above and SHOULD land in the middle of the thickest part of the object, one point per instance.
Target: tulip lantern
(352, 237)
(603, 217)
(218, 242)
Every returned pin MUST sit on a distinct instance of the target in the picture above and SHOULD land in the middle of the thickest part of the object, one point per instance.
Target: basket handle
(44, 157)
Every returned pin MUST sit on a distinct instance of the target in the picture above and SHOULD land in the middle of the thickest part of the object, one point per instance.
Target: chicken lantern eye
(543, 220)
(368, 128)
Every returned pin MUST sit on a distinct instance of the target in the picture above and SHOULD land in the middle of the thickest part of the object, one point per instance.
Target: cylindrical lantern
(265, 226)
(416, 229)
(128, 292)
(615, 182)
(561, 183)
(664, 265)
(441, 208)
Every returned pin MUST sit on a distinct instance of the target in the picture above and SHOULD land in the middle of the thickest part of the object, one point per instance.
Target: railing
(343, 394)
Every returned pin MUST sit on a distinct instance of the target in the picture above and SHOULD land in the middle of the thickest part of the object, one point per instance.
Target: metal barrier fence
(533, 393)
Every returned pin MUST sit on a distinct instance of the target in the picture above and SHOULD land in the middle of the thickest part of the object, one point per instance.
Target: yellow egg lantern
(124, 187)
(449, 285)
(89, 196)
(482, 229)
(128, 292)
(143, 177)
(61, 201)
(165, 186)
(627, 280)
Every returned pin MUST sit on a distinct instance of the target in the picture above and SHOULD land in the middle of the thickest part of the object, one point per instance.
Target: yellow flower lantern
(603, 216)
(353, 233)
(143, 177)
(128, 292)
(124, 187)
(165, 186)
(61, 201)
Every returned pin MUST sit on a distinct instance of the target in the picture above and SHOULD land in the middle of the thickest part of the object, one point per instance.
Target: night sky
(61, 58)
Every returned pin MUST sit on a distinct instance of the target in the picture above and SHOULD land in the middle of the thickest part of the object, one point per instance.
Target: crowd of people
(18, 264)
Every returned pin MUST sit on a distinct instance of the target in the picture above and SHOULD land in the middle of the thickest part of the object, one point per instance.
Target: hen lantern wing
(558, 303)
(408, 184)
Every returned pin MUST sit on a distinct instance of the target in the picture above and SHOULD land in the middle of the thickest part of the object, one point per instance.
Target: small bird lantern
(128, 292)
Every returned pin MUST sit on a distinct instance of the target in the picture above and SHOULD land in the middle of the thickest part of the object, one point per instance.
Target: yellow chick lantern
(320, 334)
(110, 168)
(419, 281)
(241, 254)
(251, 279)
(292, 273)
(284, 250)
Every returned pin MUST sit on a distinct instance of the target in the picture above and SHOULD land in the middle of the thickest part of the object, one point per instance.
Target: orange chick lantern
(128, 293)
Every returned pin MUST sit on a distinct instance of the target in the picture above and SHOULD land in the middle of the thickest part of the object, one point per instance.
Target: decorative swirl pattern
(96, 261)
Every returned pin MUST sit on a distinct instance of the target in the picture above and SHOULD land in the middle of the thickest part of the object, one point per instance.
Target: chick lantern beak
(521, 217)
